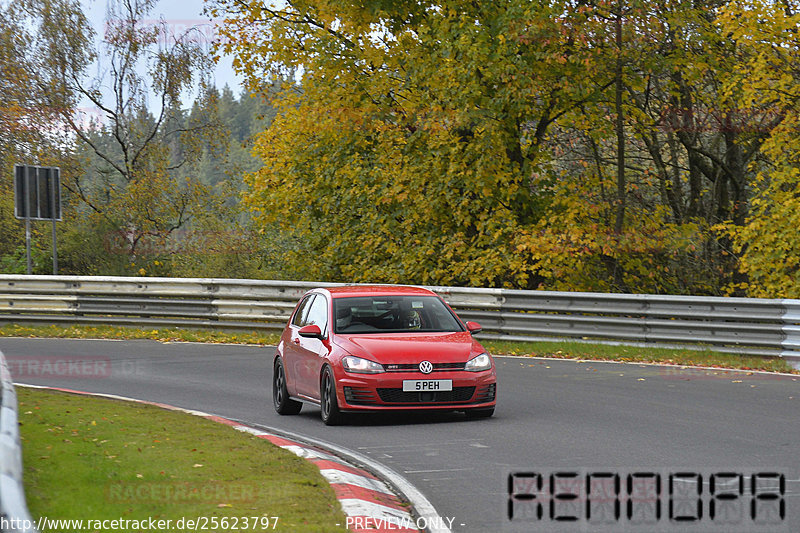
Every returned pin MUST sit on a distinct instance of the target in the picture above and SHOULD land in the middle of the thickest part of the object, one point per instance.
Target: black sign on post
(37, 191)
(37, 196)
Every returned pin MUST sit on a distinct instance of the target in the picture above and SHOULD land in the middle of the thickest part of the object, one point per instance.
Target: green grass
(164, 334)
(100, 459)
(633, 354)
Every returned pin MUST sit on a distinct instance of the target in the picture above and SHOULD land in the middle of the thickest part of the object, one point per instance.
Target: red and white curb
(368, 502)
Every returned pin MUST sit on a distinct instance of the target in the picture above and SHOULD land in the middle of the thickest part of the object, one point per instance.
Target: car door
(311, 352)
(291, 345)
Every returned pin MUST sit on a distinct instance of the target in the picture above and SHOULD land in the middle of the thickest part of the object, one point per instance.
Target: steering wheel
(388, 315)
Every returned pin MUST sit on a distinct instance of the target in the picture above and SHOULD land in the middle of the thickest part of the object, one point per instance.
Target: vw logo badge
(426, 367)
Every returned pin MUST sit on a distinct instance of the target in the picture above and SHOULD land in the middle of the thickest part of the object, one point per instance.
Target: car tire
(479, 413)
(280, 394)
(329, 405)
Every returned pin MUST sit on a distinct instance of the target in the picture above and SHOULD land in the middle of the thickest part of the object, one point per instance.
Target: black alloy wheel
(280, 395)
(329, 406)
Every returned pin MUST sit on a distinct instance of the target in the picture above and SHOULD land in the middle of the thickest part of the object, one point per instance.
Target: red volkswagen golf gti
(370, 348)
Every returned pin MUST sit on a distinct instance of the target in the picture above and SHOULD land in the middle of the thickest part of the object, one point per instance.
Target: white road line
(442, 470)
(447, 444)
(642, 363)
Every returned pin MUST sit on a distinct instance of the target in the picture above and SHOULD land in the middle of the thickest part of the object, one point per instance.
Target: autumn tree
(17, 115)
(406, 150)
(136, 182)
(599, 145)
(689, 147)
(30, 130)
(768, 241)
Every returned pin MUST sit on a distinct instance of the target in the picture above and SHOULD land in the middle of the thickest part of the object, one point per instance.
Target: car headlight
(479, 363)
(358, 365)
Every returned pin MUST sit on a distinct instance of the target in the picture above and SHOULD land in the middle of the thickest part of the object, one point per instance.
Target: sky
(180, 15)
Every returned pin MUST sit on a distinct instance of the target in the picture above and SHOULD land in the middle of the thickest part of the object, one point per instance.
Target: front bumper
(368, 392)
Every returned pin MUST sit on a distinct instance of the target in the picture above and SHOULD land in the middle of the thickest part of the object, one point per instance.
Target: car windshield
(393, 314)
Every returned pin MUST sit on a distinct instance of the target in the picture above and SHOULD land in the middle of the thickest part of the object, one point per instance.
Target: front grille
(354, 396)
(458, 394)
(486, 393)
(414, 367)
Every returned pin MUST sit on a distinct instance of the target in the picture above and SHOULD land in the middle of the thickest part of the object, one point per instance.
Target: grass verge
(163, 335)
(634, 354)
(100, 459)
(560, 350)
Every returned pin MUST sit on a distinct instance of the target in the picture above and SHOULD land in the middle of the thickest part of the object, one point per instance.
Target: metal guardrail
(14, 516)
(740, 325)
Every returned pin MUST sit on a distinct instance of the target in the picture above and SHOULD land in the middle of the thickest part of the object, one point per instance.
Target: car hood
(399, 348)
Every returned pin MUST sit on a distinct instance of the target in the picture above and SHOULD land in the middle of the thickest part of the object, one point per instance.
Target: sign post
(56, 184)
(37, 195)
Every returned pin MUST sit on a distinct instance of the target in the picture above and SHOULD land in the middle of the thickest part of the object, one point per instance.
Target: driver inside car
(344, 317)
(410, 318)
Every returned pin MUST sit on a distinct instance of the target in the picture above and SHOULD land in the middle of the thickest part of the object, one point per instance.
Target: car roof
(377, 290)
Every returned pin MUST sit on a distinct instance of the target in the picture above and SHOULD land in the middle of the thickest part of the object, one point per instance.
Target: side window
(318, 313)
(302, 311)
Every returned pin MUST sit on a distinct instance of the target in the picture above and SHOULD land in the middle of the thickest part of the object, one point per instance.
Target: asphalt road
(553, 417)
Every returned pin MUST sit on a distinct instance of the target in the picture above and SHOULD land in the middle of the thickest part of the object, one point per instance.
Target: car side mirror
(473, 327)
(310, 331)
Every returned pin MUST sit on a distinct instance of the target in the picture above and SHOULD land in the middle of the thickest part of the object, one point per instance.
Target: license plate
(427, 385)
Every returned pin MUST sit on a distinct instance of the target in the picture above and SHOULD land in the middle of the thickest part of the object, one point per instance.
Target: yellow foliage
(469, 143)
(768, 244)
